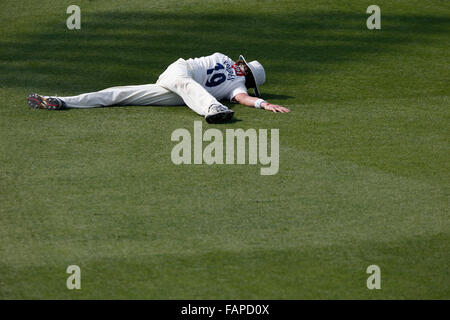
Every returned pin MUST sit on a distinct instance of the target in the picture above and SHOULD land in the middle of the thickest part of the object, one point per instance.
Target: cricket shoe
(218, 113)
(36, 101)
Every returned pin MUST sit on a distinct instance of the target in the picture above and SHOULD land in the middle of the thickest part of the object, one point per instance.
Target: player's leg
(178, 79)
(138, 95)
(193, 94)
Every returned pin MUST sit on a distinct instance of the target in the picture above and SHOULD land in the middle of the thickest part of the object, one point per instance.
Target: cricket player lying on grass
(199, 83)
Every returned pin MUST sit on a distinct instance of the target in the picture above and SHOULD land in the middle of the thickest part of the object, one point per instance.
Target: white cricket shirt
(216, 74)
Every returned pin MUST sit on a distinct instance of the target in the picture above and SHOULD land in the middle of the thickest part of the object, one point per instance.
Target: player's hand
(274, 108)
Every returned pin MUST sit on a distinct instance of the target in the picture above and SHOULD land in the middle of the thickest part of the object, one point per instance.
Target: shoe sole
(220, 117)
(35, 101)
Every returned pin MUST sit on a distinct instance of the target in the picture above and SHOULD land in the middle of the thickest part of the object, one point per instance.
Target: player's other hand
(275, 108)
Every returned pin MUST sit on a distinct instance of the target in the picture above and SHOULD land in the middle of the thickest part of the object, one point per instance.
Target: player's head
(254, 73)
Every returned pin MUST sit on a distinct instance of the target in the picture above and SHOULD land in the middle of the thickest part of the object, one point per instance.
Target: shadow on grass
(270, 96)
(232, 120)
(121, 48)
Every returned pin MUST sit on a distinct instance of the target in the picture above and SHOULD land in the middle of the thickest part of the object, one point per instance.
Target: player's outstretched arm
(254, 102)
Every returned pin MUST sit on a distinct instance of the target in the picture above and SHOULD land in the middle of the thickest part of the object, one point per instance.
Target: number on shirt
(216, 78)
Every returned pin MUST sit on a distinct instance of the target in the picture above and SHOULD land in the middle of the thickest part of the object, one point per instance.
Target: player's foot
(36, 101)
(218, 113)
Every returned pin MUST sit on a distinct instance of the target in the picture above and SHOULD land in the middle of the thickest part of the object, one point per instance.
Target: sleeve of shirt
(219, 56)
(240, 89)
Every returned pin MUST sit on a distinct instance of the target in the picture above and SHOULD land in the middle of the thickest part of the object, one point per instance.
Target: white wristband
(258, 103)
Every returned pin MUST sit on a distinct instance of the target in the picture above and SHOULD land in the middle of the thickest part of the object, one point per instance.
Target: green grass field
(364, 154)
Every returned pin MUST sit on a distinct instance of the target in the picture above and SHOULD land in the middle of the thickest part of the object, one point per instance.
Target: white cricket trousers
(175, 86)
